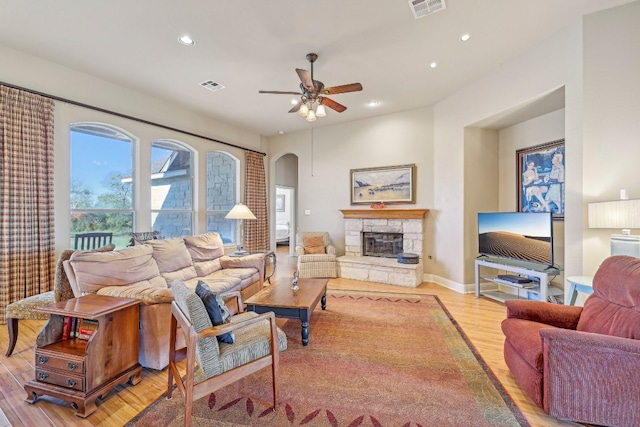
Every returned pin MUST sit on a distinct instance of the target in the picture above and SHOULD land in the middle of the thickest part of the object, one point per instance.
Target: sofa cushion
(173, 258)
(129, 266)
(139, 291)
(205, 251)
(65, 285)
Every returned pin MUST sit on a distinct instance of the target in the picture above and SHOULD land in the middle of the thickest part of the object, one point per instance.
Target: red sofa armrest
(560, 316)
(591, 378)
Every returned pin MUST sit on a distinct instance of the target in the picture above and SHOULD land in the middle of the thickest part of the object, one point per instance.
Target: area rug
(373, 359)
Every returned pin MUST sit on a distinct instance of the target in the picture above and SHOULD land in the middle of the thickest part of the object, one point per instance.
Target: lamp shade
(240, 211)
(621, 214)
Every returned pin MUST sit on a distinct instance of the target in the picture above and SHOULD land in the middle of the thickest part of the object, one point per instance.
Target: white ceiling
(255, 45)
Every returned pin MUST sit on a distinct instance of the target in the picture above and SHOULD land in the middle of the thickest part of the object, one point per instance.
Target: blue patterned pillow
(212, 304)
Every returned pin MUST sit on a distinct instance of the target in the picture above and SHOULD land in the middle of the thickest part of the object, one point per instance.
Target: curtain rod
(124, 116)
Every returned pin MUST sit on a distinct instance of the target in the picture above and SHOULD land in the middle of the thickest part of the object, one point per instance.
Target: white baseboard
(461, 288)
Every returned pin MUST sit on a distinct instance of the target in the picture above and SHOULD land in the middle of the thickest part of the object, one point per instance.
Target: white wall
(539, 71)
(327, 155)
(611, 117)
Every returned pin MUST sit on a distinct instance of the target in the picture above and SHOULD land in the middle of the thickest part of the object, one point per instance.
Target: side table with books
(88, 346)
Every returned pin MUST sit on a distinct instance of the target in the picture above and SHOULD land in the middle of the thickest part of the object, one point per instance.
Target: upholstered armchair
(316, 256)
(582, 363)
(25, 309)
(210, 364)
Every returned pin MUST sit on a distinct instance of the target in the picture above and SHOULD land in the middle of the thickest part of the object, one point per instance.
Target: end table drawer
(60, 378)
(59, 362)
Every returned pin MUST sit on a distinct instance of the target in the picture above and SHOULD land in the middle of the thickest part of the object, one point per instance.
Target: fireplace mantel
(384, 213)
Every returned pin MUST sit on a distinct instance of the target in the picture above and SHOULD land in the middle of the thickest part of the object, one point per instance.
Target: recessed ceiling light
(433, 65)
(280, 132)
(186, 40)
(465, 37)
(373, 103)
(294, 101)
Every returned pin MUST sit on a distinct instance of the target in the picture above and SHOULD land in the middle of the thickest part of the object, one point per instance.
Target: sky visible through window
(95, 158)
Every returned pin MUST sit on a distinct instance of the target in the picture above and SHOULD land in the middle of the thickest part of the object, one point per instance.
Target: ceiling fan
(313, 94)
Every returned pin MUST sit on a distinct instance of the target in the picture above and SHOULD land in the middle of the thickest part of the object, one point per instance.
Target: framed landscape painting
(390, 184)
(541, 178)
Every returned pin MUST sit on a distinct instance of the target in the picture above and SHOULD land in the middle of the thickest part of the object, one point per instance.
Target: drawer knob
(71, 366)
(42, 359)
(42, 376)
(71, 383)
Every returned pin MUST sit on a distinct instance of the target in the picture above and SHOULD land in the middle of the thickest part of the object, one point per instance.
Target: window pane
(172, 224)
(101, 162)
(171, 189)
(224, 227)
(119, 224)
(221, 194)
(101, 182)
(170, 177)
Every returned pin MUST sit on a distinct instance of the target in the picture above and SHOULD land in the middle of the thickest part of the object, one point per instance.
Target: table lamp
(240, 212)
(623, 214)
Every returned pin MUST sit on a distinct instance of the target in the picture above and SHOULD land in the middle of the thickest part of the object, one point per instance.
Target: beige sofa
(146, 272)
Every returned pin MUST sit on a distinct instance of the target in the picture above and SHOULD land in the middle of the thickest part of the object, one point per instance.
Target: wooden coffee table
(290, 304)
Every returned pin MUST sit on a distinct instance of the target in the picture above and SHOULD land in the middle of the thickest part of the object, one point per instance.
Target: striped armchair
(210, 364)
(316, 256)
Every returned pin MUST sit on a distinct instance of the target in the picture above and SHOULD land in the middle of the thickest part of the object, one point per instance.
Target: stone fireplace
(378, 229)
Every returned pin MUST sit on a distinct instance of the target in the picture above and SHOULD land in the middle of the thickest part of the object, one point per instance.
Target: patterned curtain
(256, 231)
(27, 246)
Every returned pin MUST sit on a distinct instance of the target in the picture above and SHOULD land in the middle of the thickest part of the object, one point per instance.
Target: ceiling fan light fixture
(304, 110)
(311, 117)
(321, 111)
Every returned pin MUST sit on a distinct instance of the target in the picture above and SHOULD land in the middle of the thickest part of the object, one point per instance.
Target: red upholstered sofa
(582, 364)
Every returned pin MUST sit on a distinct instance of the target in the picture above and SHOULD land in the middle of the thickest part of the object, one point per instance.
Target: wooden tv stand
(80, 371)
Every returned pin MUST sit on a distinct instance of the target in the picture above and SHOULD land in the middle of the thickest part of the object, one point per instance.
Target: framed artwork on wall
(389, 184)
(540, 178)
(279, 202)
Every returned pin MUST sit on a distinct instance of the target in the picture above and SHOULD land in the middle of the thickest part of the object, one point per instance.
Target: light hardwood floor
(479, 318)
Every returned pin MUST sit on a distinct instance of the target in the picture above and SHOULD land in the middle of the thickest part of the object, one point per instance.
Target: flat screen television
(523, 236)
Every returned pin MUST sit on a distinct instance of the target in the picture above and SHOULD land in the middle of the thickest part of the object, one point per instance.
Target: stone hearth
(353, 265)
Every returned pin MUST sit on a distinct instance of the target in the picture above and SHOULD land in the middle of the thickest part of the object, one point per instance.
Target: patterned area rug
(373, 359)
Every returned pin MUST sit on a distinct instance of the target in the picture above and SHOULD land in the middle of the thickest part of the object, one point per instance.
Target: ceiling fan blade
(279, 92)
(352, 87)
(305, 78)
(296, 107)
(333, 105)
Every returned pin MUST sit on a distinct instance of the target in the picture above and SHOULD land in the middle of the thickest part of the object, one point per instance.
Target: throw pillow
(216, 308)
(314, 250)
(313, 240)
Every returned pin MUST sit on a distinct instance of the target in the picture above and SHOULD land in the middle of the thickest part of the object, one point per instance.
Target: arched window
(101, 181)
(222, 193)
(171, 189)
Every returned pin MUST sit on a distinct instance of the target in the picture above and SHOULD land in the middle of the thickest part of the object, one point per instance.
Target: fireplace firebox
(387, 245)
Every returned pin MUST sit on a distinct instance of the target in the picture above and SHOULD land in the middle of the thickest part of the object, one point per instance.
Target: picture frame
(387, 184)
(279, 202)
(540, 178)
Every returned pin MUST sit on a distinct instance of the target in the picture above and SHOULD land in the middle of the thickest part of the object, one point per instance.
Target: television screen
(526, 236)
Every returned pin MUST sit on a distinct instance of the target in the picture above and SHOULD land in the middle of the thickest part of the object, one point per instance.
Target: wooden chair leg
(12, 325)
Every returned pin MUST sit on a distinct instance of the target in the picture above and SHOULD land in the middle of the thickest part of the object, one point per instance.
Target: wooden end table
(290, 304)
(78, 370)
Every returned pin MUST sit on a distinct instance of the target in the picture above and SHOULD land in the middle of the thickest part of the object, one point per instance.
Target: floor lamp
(623, 214)
(240, 212)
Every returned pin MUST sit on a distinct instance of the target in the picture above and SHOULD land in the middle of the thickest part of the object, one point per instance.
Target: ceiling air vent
(422, 8)
(212, 86)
